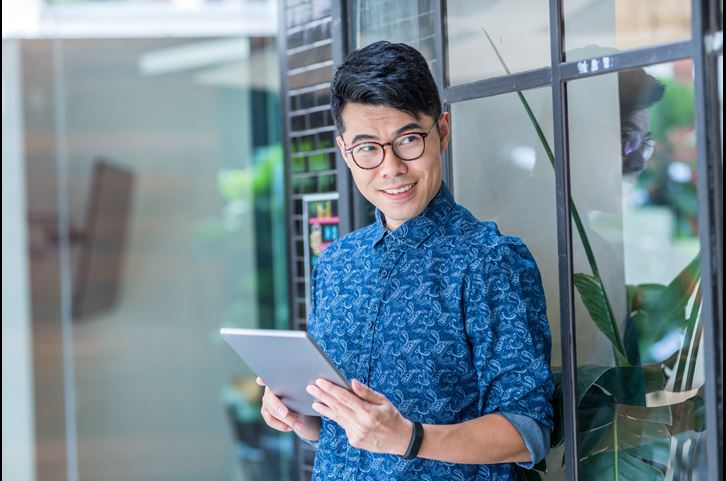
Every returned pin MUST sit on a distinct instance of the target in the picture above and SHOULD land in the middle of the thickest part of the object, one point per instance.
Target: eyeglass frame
(423, 135)
(645, 140)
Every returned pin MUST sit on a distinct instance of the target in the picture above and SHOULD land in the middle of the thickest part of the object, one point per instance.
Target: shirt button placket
(364, 366)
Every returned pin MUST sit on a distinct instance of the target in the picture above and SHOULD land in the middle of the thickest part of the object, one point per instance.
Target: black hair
(386, 74)
(638, 90)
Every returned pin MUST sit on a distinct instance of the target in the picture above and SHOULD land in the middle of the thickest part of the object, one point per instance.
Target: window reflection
(624, 24)
(522, 40)
(637, 273)
(502, 172)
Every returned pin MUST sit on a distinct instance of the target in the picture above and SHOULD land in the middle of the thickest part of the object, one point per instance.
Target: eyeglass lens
(406, 147)
(634, 140)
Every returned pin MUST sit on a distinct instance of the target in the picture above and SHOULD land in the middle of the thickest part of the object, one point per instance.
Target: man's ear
(341, 146)
(444, 131)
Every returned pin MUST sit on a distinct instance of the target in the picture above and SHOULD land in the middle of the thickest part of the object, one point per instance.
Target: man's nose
(392, 165)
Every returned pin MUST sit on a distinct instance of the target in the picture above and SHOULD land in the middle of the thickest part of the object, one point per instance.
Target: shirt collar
(416, 230)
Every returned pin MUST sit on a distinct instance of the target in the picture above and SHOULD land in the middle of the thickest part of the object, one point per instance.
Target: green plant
(621, 435)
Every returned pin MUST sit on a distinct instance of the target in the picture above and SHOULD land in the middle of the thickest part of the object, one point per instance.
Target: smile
(400, 190)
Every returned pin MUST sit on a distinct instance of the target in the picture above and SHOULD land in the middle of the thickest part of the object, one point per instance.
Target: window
(623, 24)
(523, 40)
(638, 292)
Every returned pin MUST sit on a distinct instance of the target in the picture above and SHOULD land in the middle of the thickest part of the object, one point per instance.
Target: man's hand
(369, 419)
(279, 417)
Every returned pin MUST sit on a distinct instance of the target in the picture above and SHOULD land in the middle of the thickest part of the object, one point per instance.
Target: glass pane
(523, 41)
(408, 22)
(613, 25)
(168, 153)
(637, 274)
(502, 172)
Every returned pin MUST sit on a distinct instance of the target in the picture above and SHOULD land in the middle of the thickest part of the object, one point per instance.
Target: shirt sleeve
(313, 444)
(536, 437)
(506, 321)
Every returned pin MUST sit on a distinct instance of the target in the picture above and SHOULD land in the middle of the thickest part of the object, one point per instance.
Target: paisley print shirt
(446, 317)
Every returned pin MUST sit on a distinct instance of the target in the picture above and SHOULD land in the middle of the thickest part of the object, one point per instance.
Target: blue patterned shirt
(445, 317)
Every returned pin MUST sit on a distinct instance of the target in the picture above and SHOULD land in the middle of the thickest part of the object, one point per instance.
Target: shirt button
(384, 273)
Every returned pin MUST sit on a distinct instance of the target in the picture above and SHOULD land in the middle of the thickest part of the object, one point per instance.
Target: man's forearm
(489, 439)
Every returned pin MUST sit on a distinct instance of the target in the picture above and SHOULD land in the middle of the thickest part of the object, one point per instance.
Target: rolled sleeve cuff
(536, 437)
(314, 444)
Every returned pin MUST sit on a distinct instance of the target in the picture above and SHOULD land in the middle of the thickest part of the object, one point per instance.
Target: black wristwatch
(416, 439)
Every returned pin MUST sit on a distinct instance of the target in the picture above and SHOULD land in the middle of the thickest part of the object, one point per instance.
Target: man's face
(383, 185)
(633, 161)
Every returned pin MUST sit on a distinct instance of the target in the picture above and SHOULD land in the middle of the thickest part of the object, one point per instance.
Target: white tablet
(287, 361)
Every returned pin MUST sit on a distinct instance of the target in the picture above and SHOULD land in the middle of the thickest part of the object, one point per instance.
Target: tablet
(287, 361)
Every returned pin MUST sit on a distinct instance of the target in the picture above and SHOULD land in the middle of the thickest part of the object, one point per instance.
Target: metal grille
(308, 47)
(310, 152)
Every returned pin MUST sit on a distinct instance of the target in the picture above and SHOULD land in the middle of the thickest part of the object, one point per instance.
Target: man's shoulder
(484, 244)
(475, 233)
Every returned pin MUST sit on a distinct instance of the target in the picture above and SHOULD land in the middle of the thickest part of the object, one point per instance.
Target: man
(638, 92)
(438, 319)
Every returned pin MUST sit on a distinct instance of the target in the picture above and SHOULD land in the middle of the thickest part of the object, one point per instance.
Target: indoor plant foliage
(634, 413)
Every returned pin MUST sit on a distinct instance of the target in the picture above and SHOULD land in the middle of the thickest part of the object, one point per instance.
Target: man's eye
(366, 149)
(407, 139)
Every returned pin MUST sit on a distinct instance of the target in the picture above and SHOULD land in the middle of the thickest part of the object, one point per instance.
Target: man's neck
(391, 226)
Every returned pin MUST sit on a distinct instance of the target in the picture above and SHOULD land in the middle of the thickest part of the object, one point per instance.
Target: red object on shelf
(324, 220)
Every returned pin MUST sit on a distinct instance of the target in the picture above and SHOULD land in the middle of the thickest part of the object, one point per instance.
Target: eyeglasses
(633, 140)
(409, 146)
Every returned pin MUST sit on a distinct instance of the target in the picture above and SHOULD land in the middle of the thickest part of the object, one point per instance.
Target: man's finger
(330, 401)
(274, 404)
(273, 422)
(324, 410)
(365, 392)
(342, 395)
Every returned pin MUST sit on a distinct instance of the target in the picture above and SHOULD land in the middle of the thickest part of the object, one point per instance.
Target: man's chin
(400, 216)
(634, 164)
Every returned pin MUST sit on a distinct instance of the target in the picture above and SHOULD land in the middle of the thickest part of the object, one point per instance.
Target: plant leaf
(593, 296)
(588, 375)
(670, 308)
(657, 311)
(620, 466)
(630, 437)
(631, 340)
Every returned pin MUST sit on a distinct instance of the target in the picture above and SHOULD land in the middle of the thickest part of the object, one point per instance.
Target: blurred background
(143, 209)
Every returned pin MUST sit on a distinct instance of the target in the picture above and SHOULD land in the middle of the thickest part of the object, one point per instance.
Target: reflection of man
(638, 91)
(438, 318)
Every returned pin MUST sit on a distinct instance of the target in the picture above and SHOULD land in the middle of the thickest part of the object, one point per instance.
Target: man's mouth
(399, 189)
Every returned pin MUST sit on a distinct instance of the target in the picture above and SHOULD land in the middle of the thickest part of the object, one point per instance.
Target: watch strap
(416, 439)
